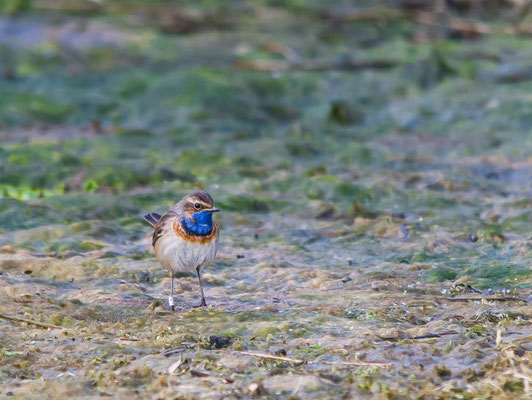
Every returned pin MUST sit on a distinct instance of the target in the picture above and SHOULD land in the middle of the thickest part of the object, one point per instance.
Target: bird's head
(198, 206)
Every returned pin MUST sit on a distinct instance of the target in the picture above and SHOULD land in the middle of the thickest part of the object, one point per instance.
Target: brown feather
(161, 226)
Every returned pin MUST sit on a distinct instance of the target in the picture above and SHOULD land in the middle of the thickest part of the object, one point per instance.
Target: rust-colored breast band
(194, 239)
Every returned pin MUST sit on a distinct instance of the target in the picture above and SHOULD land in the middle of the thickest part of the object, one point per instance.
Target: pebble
(219, 342)
(280, 352)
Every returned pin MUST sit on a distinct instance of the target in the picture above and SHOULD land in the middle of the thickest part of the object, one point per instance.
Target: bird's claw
(202, 304)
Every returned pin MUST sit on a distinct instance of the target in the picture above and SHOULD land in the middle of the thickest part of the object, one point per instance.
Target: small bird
(185, 239)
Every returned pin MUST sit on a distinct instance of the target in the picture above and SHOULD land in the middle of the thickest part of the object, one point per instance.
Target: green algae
(351, 201)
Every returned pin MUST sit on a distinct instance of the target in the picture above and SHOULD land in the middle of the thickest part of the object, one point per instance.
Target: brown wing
(164, 224)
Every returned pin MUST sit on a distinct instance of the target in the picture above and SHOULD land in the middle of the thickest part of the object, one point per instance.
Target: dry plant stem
(525, 339)
(298, 361)
(365, 15)
(30, 321)
(519, 30)
(485, 298)
(434, 335)
(347, 65)
(454, 24)
(201, 374)
(421, 17)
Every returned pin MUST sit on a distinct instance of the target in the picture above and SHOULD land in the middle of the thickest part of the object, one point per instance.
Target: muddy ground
(375, 177)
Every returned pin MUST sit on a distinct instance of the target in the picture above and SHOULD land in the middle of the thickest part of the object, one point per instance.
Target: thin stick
(371, 14)
(311, 65)
(434, 335)
(298, 361)
(272, 357)
(421, 17)
(454, 24)
(360, 363)
(30, 321)
(485, 298)
(519, 30)
(202, 374)
(130, 339)
(523, 339)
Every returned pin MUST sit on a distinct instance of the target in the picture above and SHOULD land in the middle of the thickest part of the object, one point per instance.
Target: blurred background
(412, 114)
(371, 158)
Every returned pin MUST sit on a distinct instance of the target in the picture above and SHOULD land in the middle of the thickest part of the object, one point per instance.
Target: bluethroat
(185, 239)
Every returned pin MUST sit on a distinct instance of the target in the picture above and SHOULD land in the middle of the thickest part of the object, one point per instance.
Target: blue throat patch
(199, 225)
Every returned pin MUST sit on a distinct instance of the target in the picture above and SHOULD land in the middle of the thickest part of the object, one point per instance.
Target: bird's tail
(153, 218)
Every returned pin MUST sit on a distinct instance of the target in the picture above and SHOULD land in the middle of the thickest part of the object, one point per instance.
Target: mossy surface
(361, 208)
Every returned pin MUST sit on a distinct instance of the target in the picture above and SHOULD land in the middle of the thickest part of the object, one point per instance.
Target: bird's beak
(213, 210)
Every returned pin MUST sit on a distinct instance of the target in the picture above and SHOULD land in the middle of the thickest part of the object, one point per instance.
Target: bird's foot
(202, 304)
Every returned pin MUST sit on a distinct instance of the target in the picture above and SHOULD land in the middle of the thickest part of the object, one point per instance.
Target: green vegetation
(370, 162)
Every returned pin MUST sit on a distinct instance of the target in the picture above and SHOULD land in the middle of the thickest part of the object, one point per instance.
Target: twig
(524, 339)
(485, 298)
(454, 24)
(371, 14)
(360, 363)
(421, 17)
(272, 357)
(30, 321)
(172, 351)
(201, 374)
(299, 361)
(519, 30)
(344, 65)
(435, 335)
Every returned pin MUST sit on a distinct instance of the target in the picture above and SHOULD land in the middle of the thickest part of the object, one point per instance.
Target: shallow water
(352, 200)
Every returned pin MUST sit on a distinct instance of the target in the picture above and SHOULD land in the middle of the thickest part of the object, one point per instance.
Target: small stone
(442, 371)
(391, 334)
(289, 383)
(257, 389)
(280, 352)
(473, 237)
(347, 279)
(10, 250)
(236, 363)
(240, 256)
(71, 280)
(219, 342)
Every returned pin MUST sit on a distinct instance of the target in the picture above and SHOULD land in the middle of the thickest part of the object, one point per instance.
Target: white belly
(178, 255)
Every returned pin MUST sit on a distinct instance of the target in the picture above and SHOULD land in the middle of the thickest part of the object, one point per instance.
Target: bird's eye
(197, 206)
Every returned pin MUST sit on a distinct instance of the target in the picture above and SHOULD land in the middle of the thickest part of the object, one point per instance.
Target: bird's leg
(203, 302)
(171, 297)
